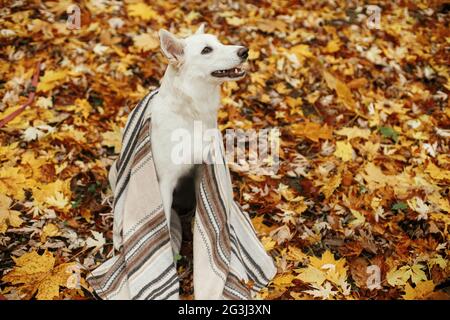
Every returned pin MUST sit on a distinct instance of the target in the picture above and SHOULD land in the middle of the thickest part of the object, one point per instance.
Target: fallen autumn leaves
(363, 186)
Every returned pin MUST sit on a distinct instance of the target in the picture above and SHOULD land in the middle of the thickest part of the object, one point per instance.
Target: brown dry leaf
(357, 83)
(358, 270)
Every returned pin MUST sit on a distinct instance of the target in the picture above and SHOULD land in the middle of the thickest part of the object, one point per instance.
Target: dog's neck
(193, 97)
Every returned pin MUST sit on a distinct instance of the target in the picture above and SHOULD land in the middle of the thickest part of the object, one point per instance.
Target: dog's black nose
(243, 53)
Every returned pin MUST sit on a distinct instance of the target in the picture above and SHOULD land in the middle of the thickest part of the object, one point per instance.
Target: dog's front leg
(167, 187)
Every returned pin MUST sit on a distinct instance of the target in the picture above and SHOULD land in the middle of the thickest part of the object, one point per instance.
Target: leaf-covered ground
(363, 112)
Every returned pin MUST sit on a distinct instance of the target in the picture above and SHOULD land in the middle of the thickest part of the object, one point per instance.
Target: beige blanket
(229, 261)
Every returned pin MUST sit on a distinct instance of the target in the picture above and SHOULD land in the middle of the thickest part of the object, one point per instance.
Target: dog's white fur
(188, 93)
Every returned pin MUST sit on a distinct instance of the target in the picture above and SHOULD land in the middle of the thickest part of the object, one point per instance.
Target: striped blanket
(229, 261)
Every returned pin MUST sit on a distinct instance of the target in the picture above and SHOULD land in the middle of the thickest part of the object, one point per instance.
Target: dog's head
(203, 56)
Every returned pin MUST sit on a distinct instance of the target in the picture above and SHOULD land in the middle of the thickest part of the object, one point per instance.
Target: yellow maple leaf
(328, 259)
(58, 200)
(253, 54)
(141, 10)
(37, 273)
(12, 182)
(8, 152)
(359, 219)
(71, 133)
(375, 178)
(333, 46)
(313, 96)
(342, 90)
(417, 273)
(284, 280)
(369, 149)
(271, 25)
(82, 106)
(268, 243)
(295, 254)
(281, 88)
(260, 227)
(354, 132)
(344, 150)
(146, 42)
(113, 138)
(287, 193)
(325, 292)
(332, 184)
(439, 201)
(422, 289)
(295, 105)
(399, 277)
(259, 77)
(55, 192)
(312, 275)
(235, 21)
(443, 159)
(49, 230)
(8, 217)
(59, 6)
(438, 260)
(311, 130)
(301, 51)
(51, 79)
(437, 173)
(33, 162)
(324, 268)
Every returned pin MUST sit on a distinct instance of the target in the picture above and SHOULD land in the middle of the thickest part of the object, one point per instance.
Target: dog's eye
(206, 50)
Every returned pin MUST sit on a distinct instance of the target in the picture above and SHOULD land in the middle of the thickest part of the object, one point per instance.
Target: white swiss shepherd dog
(189, 93)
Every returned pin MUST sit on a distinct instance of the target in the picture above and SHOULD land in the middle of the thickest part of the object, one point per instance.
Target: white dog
(189, 92)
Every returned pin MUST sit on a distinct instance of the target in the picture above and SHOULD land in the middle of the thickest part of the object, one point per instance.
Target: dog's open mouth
(229, 73)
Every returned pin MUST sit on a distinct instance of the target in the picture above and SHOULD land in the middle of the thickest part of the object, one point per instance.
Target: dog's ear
(172, 47)
(201, 29)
